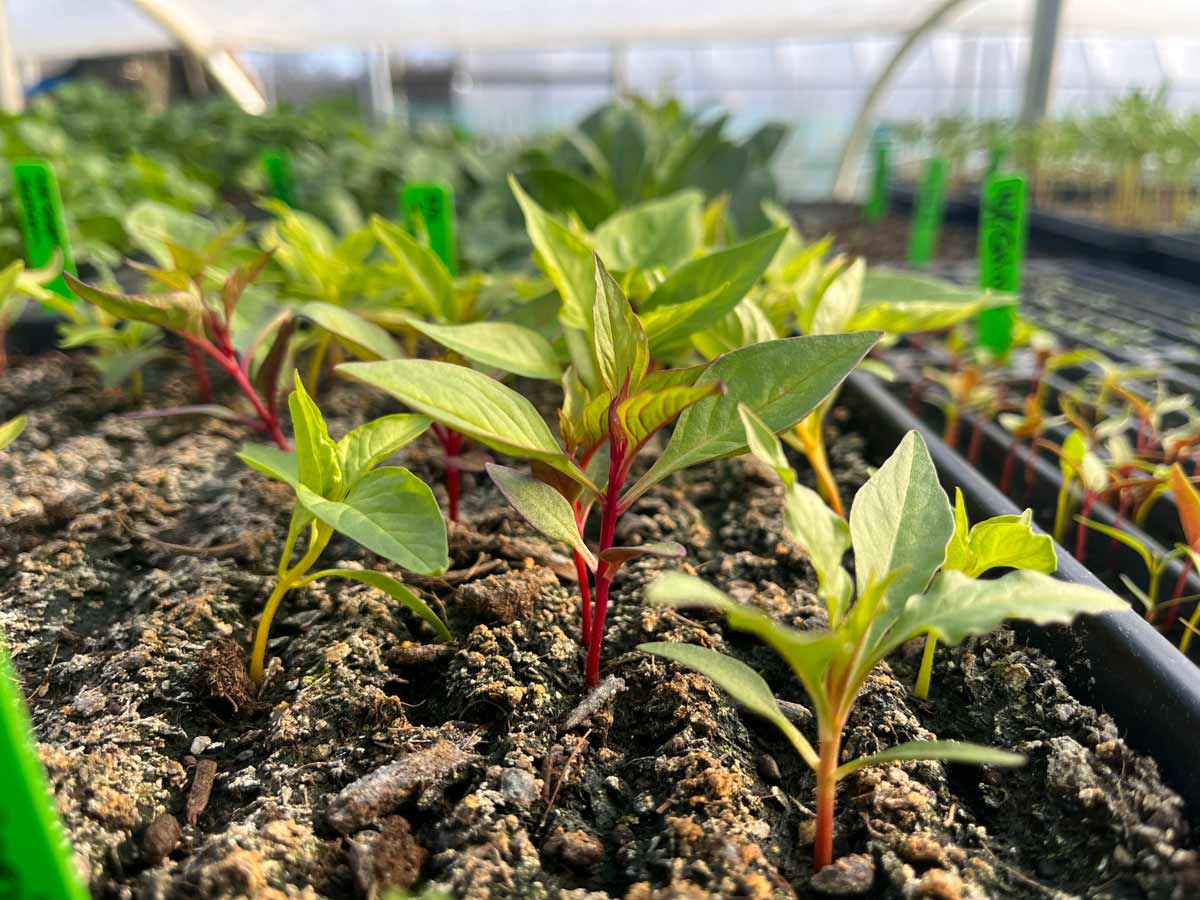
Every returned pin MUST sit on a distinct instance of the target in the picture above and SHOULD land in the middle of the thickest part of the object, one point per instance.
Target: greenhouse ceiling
(57, 29)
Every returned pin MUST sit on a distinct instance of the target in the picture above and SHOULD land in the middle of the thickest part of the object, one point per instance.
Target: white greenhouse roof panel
(69, 28)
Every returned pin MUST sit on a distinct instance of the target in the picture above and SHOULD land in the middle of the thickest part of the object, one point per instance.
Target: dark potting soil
(882, 241)
(136, 555)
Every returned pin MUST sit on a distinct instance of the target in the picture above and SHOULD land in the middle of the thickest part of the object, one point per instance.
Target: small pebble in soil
(850, 876)
(385, 859)
(518, 787)
(940, 884)
(577, 849)
(160, 839)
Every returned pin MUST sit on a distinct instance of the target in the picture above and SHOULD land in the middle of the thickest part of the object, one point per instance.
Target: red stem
(618, 447)
(203, 385)
(452, 442)
(1180, 585)
(1081, 531)
(1010, 462)
(585, 587)
(229, 362)
(975, 447)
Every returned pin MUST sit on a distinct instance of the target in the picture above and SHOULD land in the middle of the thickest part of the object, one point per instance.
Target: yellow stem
(318, 537)
(925, 675)
(808, 440)
(316, 363)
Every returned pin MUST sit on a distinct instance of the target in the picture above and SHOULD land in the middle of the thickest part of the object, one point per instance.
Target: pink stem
(1081, 532)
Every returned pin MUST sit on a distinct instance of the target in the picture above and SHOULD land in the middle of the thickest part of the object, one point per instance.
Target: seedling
(782, 380)
(1156, 565)
(11, 430)
(205, 328)
(18, 286)
(340, 487)
(900, 527)
(1188, 501)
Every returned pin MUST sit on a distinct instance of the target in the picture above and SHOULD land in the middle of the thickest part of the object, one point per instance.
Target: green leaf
(819, 531)
(736, 270)
(951, 751)
(747, 688)
(781, 381)
(808, 653)
(178, 311)
(647, 411)
(543, 507)
(901, 522)
(663, 232)
(999, 542)
(11, 430)
(670, 327)
(471, 403)
(565, 257)
(956, 606)
(618, 339)
(278, 464)
(560, 191)
(498, 345)
(425, 276)
(392, 513)
(744, 325)
(1118, 535)
(364, 339)
(362, 449)
(316, 454)
(390, 586)
(840, 301)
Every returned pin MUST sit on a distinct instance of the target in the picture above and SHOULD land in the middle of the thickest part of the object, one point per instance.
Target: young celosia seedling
(900, 526)
(780, 380)
(341, 488)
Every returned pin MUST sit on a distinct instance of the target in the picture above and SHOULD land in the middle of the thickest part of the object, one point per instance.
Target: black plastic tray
(1117, 662)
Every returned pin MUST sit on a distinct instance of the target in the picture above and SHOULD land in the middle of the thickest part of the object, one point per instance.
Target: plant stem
(1173, 613)
(808, 440)
(1081, 530)
(618, 446)
(203, 385)
(585, 587)
(925, 675)
(229, 363)
(451, 442)
(975, 446)
(1010, 462)
(316, 362)
(950, 429)
(318, 537)
(826, 799)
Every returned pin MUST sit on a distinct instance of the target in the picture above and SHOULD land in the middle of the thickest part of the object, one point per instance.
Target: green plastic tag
(433, 204)
(1002, 233)
(35, 857)
(877, 203)
(278, 166)
(927, 221)
(39, 207)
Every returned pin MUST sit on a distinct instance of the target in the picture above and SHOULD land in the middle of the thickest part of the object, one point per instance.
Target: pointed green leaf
(497, 345)
(746, 324)
(542, 507)
(647, 411)
(670, 327)
(747, 688)
(1121, 537)
(317, 463)
(663, 232)
(425, 276)
(364, 339)
(471, 403)
(840, 300)
(782, 381)
(901, 522)
(390, 586)
(951, 751)
(362, 449)
(618, 339)
(278, 464)
(956, 606)
(392, 513)
(565, 257)
(178, 311)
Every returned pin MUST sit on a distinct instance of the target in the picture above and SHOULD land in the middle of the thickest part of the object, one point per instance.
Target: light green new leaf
(428, 282)
(670, 327)
(317, 462)
(1121, 537)
(390, 586)
(840, 301)
(901, 522)
(362, 449)
(998, 542)
(497, 345)
(543, 507)
(278, 464)
(744, 325)
(565, 257)
(762, 443)
(471, 403)
(956, 606)
(178, 311)
(781, 381)
(364, 339)
(663, 232)
(11, 430)
(618, 339)
(646, 412)
(392, 513)
(951, 751)
(747, 688)
(808, 653)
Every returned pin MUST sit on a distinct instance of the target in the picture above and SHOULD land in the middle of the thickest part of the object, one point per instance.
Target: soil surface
(136, 554)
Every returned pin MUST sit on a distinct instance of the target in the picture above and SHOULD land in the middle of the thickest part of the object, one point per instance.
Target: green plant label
(1002, 232)
(881, 153)
(35, 858)
(433, 204)
(277, 165)
(40, 209)
(927, 220)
